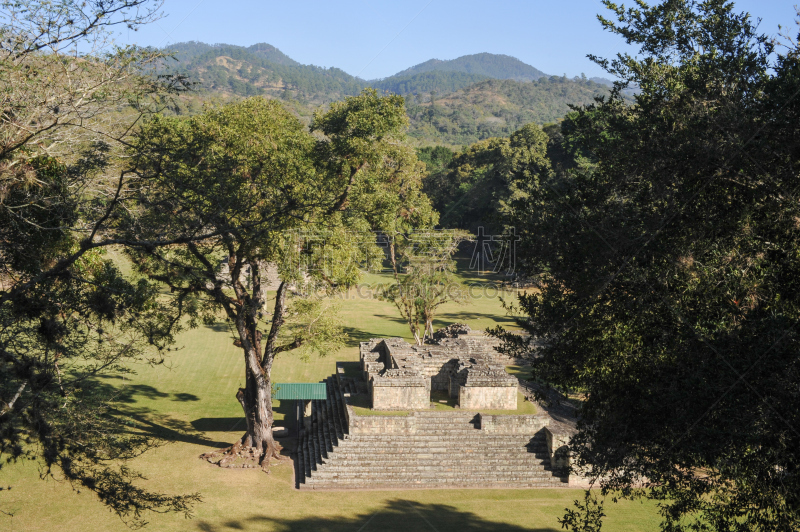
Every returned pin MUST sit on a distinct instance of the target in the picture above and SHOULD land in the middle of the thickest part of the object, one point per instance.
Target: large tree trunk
(257, 444)
(256, 401)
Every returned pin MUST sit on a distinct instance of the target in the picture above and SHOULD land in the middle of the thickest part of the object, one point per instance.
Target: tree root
(239, 456)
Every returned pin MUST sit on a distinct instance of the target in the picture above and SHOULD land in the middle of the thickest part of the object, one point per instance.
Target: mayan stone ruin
(402, 376)
(380, 426)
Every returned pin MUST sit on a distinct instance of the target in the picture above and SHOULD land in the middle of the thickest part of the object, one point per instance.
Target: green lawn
(190, 401)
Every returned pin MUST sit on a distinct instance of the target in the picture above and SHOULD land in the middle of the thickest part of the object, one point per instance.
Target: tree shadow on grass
(446, 318)
(398, 515)
(167, 428)
(219, 326)
(125, 392)
(125, 400)
(219, 424)
(356, 336)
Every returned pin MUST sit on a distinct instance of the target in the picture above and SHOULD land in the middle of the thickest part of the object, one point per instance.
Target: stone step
(438, 457)
(332, 484)
(423, 436)
(439, 452)
(424, 466)
(510, 482)
(438, 447)
(446, 450)
(431, 476)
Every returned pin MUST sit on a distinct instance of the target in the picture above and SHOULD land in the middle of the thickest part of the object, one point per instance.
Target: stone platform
(423, 449)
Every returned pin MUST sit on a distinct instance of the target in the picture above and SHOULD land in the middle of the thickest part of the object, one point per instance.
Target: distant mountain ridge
(264, 69)
(186, 51)
(455, 102)
(497, 66)
(426, 82)
(261, 69)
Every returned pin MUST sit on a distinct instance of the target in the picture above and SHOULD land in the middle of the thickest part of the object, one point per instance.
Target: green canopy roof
(299, 390)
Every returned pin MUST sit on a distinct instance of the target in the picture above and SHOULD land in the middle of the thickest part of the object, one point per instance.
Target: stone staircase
(444, 450)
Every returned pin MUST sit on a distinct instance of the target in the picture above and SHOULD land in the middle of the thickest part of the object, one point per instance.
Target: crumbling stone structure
(342, 448)
(402, 376)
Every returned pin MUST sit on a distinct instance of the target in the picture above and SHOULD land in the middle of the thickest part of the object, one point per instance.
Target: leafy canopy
(668, 272)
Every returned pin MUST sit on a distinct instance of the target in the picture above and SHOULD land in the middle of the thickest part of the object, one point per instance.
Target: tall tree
(252, 174)
(669, 272)
(424, 274)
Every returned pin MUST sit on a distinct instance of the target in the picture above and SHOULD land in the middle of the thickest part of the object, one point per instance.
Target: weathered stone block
(362, 425)
(558, 447)
(399, 396)
(487, 397)
(510, 424)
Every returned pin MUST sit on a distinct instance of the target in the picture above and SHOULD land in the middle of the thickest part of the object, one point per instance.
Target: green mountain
(187, 51)
(425, 82)
(496, 108)
(449, 76)
(490, 65)
(260, 69)
(271, 54)
(453, 107)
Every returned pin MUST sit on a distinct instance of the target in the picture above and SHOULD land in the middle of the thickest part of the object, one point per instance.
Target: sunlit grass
(190, 401)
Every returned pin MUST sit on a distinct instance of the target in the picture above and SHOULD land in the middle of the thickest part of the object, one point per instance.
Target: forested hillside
(455, 102)
(426, 82)
(496, 66)
(261, 69)
(186, 51)
(496, 108)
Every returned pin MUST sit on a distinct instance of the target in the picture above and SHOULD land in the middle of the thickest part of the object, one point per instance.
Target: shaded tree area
(474, 188)
(666, 254)
(68, 315)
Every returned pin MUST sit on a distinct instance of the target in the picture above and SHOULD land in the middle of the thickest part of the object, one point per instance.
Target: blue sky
(375, 39)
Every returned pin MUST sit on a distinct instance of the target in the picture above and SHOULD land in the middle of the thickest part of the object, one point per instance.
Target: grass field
(191, 403)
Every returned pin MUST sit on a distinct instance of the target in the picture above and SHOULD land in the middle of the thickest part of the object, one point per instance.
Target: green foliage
(264, 190)
(666, 254)
(68, 315)
(425, 82)
(436, 158)
(366, 154)
(40, 210)
(479, 182)
(587, 515)
(497, 108)
(424, 273)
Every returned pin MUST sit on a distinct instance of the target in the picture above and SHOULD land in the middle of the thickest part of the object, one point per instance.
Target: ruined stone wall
(381, 425)
(487, 397)
(371, 355)
(440, 377)
(510, 424)
(399, 395)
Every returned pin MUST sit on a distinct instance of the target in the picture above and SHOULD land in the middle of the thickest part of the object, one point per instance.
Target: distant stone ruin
(402, 376)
